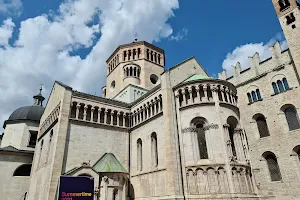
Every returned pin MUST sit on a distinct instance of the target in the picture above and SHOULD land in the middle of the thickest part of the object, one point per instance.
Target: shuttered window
(273, 167)
(262, 127)
(292, 118)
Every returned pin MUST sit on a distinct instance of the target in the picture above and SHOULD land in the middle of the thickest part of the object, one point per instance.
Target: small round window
(153, 78)
(113, 85)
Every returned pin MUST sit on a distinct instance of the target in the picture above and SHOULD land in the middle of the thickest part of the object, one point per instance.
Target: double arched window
(254, 96)
(154, 151)
(291, 117)
(139, 154)
(273, 166)
(23, 170)
(198, 123)
(280, 85)
(262, 125)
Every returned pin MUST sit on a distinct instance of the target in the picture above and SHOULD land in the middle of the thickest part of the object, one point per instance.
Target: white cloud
(10, 6)
(6, 31)
(182, 34)
(42, 52)
(241, 53)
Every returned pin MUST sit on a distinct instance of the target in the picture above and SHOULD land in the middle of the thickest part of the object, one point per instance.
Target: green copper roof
(108, 163)
(198, 77)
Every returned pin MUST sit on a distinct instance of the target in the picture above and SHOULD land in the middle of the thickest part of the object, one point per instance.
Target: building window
(273, 166)
(199, 123)
(292, 118)
(23, 170)
(139, 155)
(283, 4)
(254, 96)
(33, 138)
(154, 151)
(262, 125)
(280, 86)
(115, 194)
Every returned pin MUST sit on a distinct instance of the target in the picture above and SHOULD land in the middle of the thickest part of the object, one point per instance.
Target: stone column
(111, 117)
(158, 106)
(123, 118)
(105, 116)
(84, 112)
(190, 101)
(99, 115)
(77, 110)
(183, 98)
(197, 98)
(205, 97)
(118, 119)
(92, 114)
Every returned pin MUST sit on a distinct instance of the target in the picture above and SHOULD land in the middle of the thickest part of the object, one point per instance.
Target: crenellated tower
(288, 12)
(137, 63)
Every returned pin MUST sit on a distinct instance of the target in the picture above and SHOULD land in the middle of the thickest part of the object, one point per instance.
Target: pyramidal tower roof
(109, 163)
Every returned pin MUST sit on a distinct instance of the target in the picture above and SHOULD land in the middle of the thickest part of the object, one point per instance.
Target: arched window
(283, 4)
(249, 97)
(274, 85)
(199, 123)
(280, 86)
(262, 126)
(285, 83)
(139, 155)
(232, 122)
(23, 170)
(154, 151)
(253, 94)
(258, 94)
(292, 118)
(272, 166)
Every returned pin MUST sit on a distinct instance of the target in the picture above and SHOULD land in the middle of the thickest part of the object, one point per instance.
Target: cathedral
(158, 134)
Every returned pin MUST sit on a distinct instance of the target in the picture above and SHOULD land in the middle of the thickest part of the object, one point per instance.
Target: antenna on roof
(135, 37)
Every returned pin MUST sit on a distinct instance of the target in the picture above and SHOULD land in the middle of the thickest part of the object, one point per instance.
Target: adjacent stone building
(167, 134)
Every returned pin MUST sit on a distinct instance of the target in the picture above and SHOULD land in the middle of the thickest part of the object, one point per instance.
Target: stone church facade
(166, 134)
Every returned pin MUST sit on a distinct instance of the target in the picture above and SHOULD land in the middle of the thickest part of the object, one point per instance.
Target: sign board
(76, 188)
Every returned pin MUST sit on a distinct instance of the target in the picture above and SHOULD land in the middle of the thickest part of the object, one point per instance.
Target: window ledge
(276, 182)
(295, 130)
(255, 101)
(282, 92)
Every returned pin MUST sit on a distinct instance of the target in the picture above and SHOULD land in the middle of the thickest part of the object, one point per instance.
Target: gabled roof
(109, 163)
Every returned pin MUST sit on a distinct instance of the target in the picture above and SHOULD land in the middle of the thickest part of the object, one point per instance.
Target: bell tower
(137, 63)
(288, 12)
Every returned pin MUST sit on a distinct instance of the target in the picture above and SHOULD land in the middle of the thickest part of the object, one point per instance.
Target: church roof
(198, 77)
(109, 163)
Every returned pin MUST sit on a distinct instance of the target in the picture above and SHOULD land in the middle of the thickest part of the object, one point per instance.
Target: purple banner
(76, 188)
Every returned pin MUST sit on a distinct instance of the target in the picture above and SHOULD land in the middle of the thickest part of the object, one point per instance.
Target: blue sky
(69, 41)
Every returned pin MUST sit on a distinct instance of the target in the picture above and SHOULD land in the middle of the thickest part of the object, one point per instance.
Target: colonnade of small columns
(100, 115)
(147, 110)
(50, 119)
(113, 63)
(214, 179)
(132, 71)
(153, 56)
(132, 54)
(193, 94)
